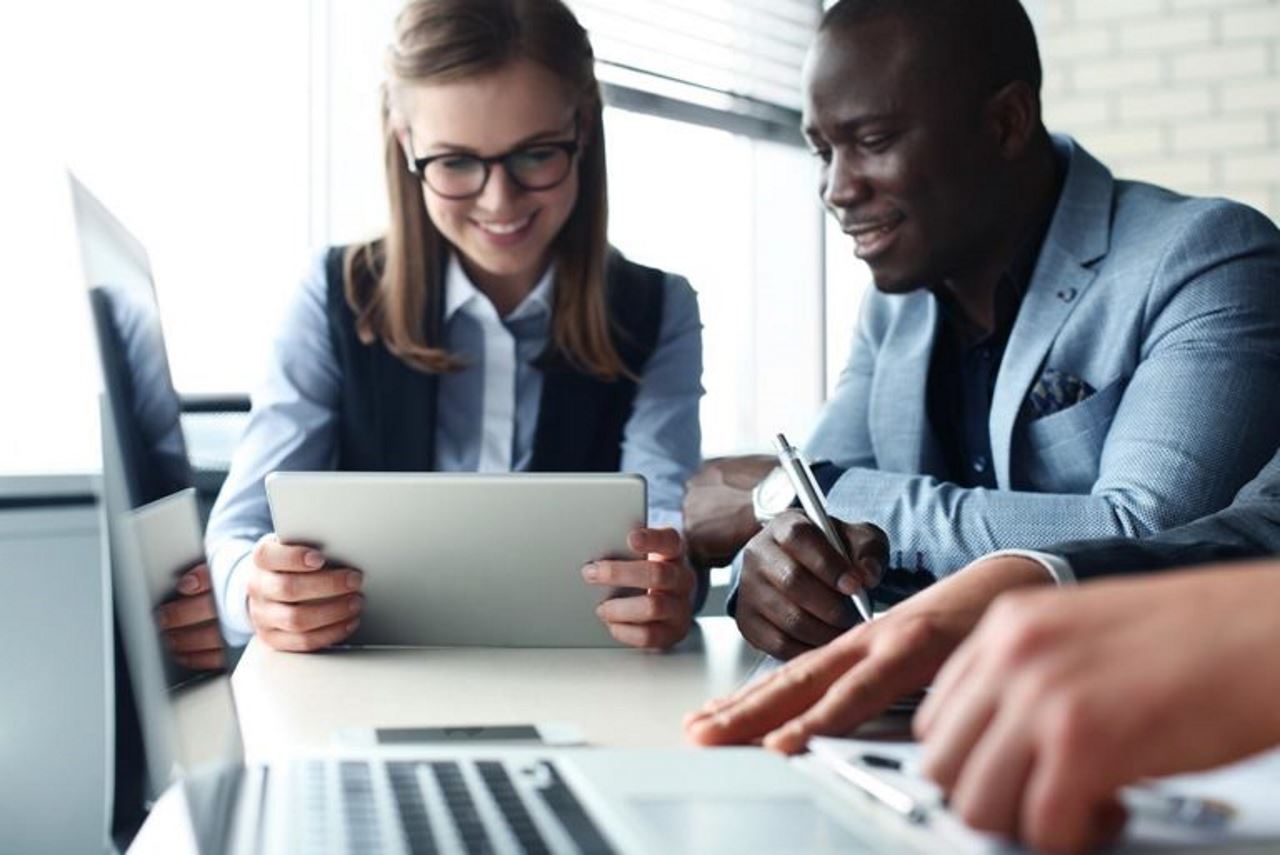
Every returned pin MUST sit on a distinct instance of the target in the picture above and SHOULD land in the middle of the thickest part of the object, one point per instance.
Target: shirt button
(980, 464)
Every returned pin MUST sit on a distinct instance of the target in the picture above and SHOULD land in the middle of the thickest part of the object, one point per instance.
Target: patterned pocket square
(1054, 391)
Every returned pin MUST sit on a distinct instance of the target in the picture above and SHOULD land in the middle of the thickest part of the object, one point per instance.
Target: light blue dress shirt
(293, 424)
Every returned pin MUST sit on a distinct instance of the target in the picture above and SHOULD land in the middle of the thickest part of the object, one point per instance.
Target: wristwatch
(773, 495)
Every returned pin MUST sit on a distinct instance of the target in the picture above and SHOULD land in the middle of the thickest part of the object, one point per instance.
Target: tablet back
(466, 559)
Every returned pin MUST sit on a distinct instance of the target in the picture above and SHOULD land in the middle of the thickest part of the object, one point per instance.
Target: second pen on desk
(816, 510)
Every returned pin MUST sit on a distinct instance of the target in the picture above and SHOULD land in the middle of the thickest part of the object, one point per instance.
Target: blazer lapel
(900, 431)
(1078, 236)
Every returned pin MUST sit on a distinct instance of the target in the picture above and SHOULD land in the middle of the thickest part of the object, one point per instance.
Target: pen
(882, 791)
(896, 799)
(1148, 802)
(1142, 800)
(811, 500)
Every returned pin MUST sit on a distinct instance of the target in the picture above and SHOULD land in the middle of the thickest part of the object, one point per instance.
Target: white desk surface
(617, 697)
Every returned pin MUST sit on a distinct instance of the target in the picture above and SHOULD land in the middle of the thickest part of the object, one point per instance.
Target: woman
(490, 329)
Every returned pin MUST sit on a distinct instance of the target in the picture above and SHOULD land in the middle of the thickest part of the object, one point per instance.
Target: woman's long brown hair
(395, 285)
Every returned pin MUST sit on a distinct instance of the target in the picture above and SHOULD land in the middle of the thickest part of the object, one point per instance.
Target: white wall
(1185, 93)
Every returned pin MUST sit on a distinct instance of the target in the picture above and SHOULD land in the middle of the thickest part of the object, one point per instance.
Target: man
(1005, 718)
(1048, 352)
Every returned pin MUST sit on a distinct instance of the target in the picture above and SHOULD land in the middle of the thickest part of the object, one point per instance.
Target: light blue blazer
(1167, 306)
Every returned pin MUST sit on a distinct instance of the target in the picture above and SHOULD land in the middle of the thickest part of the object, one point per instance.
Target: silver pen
(811, 500)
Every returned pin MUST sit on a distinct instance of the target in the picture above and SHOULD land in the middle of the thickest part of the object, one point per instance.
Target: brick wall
(1184, 93)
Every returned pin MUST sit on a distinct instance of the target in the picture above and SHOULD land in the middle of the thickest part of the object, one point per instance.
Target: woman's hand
(658, 610)
(296, 602)
(189, 623)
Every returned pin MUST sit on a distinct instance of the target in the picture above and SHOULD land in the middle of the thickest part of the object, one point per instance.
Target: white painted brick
(1122, 144)
(1248, 96)
(1057, 81)
(1260, 22)
(1115, 74)
(1174, 104)
(1255, 196)
(1221, 134)
(1221, 63)
(1247, 169)
(1056, 15)
(1183, 5)
(1183, 93)
(1110, 10)
(1180, 31)
(1184, 174)
(1068, 113)
(1077, 43)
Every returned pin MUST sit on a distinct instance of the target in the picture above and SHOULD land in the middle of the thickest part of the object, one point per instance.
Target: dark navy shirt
(963, 370)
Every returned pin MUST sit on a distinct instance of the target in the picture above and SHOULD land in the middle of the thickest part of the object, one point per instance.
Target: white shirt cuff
(230, 570)
(1058, 568)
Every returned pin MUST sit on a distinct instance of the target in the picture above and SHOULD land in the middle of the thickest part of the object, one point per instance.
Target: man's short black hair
(992, 37)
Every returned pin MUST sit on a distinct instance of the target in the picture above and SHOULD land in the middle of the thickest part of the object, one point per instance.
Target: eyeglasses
(539, 166)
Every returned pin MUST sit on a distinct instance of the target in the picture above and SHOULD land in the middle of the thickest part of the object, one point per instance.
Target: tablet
(454, 559)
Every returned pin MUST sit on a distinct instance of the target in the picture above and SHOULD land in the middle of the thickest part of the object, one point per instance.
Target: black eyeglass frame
(418, 165)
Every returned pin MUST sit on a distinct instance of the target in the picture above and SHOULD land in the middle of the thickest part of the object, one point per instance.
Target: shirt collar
(460, 293)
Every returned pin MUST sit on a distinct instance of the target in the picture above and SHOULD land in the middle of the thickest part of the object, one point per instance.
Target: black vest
(387, 412)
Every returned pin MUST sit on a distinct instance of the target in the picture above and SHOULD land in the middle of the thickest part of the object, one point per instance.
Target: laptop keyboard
(430, 807)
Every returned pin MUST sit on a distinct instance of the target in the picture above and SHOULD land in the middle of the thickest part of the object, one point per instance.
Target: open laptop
(141, 415)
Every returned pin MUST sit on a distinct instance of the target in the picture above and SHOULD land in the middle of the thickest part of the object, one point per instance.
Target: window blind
(740, 58)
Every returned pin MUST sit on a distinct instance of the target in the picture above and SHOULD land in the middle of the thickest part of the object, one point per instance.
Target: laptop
(466, 559)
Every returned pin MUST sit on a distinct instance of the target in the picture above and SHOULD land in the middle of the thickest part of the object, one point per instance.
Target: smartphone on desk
(556, 733)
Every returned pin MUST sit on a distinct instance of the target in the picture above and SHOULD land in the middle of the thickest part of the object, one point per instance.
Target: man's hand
(718, 517)
(660, 612)
(1059, 698)
(793, 594)
(190, 623)
(295, 602)
(832, 690)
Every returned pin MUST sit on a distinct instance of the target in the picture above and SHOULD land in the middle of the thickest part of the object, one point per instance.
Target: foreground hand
(1061, 697)
(296, 602)
(661, 612)
(718, 517)
(832, 690)
(190, 623)
(794, 591)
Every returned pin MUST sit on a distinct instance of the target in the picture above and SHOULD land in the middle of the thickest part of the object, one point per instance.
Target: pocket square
(1054, 391)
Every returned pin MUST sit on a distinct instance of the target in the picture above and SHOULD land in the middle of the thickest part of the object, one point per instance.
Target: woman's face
(505, 232)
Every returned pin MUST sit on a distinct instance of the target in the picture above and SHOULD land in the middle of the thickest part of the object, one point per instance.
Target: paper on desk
(1252, 787)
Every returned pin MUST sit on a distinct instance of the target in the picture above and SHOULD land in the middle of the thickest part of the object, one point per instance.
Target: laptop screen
(171, 720)
(135, 366)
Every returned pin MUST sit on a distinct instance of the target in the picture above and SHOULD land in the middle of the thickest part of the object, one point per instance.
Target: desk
(618, 697)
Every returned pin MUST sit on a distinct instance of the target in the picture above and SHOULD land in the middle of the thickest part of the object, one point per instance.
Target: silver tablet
(466, 559)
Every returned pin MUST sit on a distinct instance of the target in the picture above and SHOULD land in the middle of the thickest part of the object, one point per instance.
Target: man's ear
(1012, 116)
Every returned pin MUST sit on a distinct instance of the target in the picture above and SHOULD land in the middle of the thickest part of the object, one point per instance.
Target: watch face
(776, 493)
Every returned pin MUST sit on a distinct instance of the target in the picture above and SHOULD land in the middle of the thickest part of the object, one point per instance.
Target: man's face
(905, 166)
